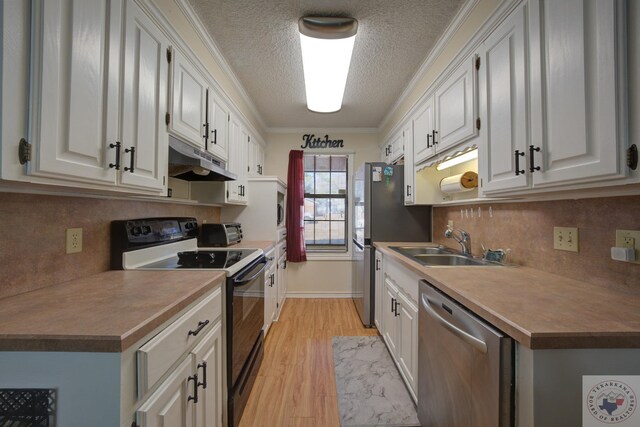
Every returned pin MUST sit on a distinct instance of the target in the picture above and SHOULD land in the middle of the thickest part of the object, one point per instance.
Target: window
(325, 202)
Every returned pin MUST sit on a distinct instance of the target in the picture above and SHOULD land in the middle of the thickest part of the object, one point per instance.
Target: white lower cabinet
(207, 364)
(282, 281)
(270, 291)
(379, 280)
(170, 404)
(399, 320)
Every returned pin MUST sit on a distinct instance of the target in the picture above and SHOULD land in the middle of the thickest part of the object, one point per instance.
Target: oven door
(245, 316)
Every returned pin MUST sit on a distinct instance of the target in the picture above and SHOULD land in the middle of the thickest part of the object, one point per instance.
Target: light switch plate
(565, 239)
(629, 239)
(74, 240)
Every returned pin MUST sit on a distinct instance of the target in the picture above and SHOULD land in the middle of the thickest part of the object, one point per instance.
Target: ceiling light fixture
(469, 155)
(327, 44)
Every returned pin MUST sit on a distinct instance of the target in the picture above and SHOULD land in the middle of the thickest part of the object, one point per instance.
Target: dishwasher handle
(476, 343)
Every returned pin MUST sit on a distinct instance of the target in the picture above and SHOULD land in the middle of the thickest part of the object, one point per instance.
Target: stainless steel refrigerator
(379, 215)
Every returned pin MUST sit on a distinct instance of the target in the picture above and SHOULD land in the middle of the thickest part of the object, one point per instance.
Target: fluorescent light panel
(326, 66)
(469, 155)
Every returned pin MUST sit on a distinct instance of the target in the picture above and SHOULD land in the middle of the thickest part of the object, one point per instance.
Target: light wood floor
(296, 383)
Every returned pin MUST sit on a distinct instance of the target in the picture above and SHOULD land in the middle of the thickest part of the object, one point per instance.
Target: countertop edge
(531, 340)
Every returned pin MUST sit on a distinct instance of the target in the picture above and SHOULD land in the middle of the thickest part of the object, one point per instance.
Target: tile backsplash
(527, 229)
(32, 235)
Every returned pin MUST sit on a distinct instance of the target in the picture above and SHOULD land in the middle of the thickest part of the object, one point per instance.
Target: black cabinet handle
(408, 190)
(433, 136)
(518, 153)
(396, 308)
(215, 136)
(393, 301)
(193, 378)
(532, 166)
(428, 138)
(116, 165)
(201, 325)
(131, 150)
(203, 365)
(377, 265)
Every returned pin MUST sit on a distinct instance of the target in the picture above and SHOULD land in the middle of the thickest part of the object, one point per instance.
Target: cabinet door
(577, 90)
(233, 187)
(75, 89)
(455, 107)
(282, 280)
(270, 294)
(503, 106)
(169, 404)
(408, 341)
(409, 171)
(219, 122)
(423, 127)
(188, 109)
(390, 325)
(252, 157)
(397, 147)
(243, 175)
(144, 102)
(207, 359)
(378, 296)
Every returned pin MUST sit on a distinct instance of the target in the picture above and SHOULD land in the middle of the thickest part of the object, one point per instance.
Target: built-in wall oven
(465, 366)
(170, 244)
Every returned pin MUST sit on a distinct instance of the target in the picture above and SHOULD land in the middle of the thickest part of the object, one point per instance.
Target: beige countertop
(106, 312)
(264, 245)
(538, 309)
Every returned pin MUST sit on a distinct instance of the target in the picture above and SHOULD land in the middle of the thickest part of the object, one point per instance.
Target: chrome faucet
(464, 240)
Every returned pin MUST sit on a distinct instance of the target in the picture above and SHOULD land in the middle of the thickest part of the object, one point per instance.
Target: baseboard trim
(319, 295)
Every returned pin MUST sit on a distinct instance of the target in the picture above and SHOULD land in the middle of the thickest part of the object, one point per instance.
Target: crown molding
(451, 29)
(286, 130)
(211, 45)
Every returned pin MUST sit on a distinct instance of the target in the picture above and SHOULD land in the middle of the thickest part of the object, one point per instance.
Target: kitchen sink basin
(424, 250)
(450, 260)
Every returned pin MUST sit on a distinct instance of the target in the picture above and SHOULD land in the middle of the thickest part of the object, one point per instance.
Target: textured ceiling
(260, 41)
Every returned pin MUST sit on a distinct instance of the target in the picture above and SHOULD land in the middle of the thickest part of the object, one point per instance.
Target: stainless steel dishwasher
(465, 366)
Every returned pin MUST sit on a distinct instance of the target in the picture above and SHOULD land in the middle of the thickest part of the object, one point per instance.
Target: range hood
(191, 164)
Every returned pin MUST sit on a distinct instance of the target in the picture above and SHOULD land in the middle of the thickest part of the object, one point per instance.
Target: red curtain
(296, 251)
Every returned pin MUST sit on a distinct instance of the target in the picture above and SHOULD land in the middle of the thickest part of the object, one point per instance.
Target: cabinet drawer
(163, 350)
(282, 234)
(281, 249)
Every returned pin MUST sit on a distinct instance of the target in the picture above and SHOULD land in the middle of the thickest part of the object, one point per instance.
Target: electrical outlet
(74, 240)
(565, 239)
(450, 223)
(629, 239)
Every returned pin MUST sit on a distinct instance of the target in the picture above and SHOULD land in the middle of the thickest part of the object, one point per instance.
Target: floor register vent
(27, 407)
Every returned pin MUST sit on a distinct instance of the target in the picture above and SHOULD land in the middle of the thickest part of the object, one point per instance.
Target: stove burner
(195, 257)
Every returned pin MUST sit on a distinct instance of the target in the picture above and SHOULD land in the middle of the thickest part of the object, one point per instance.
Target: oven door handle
(237, 282)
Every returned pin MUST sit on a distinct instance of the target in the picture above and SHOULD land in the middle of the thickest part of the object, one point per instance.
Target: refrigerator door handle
(355, 242)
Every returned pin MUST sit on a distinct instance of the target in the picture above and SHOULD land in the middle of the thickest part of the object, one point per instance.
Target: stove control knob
(146, 229)
(136, 231)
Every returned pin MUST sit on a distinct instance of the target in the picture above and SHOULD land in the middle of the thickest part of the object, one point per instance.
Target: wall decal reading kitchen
(311, 141)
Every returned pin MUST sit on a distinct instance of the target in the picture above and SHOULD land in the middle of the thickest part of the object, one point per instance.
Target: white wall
(319, 277)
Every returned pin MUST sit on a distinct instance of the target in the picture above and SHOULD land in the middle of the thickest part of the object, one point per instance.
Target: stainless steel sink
(440, 256)
(450, 260)
(422, 250)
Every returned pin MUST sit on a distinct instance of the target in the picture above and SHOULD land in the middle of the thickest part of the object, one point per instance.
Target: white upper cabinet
(503, 106)
(188, 102)
(578, 103)
(409, 174)
(397, 147)
(423, 146)
(75, 89)
(218, 127)
(144, 136)
(256, 157)
(455, 107)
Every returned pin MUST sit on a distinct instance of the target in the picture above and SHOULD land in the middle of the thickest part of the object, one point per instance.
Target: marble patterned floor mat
(370, 389)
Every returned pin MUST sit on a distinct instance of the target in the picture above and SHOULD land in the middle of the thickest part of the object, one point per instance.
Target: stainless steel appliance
(192, 164)
(465, 366)
(220, 234)
(380, 215)
(171, 243)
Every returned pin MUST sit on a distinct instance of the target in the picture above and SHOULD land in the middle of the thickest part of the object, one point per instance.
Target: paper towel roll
(459, 183)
